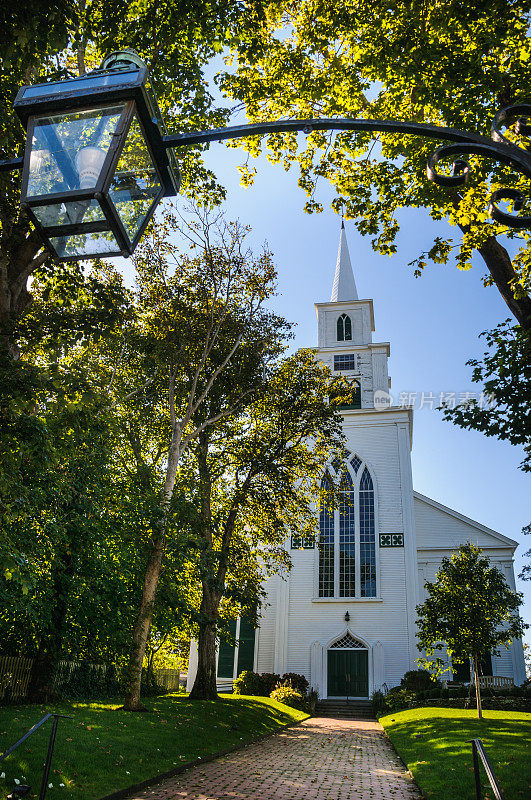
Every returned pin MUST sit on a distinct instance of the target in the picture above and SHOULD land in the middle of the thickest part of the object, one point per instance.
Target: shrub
(379, 703)
(312, 699)
(269, 682)
(289, 696)
(248, 682)
(253, 683)
(399, 699)
(297, 682)
(418, 680)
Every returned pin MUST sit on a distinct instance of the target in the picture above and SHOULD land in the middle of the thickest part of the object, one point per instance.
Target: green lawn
(104, 749)
(433, 742)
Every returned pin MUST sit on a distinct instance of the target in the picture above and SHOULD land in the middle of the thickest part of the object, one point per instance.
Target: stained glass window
(367, 537)
(326, 545)
(347, 538)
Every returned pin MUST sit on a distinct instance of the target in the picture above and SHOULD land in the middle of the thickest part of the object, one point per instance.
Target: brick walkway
(321, 759)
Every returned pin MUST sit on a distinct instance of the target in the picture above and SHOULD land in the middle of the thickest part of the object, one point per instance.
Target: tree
(192, 319)
(451, 64)
(57, 479)
(260, 468)
(505, 408)
(470, 611)
(505, 372)
(55, 39)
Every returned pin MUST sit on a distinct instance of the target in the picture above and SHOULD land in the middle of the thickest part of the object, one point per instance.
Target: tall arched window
(347, 538)
(367, 537)
(344, 328)
(326, 545)
(347, 542)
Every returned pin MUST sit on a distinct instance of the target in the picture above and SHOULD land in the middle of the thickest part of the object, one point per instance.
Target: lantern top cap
(123, 78)
(94, 88)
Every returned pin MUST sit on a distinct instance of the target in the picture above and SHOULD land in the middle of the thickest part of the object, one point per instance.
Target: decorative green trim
(391, 540)
(302, 543)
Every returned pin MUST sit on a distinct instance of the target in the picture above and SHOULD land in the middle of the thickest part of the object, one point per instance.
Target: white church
(345, 615)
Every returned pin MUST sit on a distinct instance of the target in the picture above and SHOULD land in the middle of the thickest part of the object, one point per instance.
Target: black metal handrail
(20, 791)
(477, 747)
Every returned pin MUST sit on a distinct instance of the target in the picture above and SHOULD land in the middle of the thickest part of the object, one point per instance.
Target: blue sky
(432, 323)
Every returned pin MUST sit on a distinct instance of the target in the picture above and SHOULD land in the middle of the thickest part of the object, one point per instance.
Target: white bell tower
(345, 326)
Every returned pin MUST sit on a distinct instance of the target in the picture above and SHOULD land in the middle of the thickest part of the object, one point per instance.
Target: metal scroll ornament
(500, 149)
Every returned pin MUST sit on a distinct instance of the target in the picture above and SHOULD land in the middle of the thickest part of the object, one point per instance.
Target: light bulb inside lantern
(89, 162)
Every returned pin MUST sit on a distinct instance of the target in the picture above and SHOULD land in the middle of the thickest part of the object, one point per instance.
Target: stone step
(343, 709)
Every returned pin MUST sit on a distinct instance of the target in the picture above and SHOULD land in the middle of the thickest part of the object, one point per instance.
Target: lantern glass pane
(85, 244)
(72, 213)
(68, 150)
(135, 185)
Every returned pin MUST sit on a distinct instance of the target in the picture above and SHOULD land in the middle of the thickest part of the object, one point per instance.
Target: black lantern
(95, 166)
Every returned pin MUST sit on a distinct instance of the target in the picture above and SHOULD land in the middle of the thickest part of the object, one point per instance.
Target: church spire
(344, 287)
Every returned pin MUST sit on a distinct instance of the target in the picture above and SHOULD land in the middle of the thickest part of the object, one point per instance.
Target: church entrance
(348, 668)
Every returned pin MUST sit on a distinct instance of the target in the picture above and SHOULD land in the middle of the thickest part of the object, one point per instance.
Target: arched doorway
(348, 668)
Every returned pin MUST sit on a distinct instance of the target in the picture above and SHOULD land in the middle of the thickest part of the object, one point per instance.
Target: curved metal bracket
(499, 148)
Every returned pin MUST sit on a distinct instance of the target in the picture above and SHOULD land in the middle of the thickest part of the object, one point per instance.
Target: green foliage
(470, 609)
(298, 682)
(378, 703)
(399, 698)
(340, 59)
(505, 372)
(288, 697)
(418, 680)
(254, 683)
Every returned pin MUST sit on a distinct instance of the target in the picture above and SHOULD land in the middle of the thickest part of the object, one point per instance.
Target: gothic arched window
(347, 538)
(344, 328)
(347, 541)
(326, 544)
(367, 537)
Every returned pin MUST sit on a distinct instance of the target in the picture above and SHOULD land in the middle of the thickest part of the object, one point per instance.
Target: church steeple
(344, 288)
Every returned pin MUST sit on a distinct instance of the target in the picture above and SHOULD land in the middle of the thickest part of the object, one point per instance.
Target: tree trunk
(18, 259)
(502, 272)
(151, 578)
(478, 689)
(204, 687)
(143, 624)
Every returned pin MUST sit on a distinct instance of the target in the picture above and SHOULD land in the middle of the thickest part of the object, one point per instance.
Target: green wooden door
(348, 673)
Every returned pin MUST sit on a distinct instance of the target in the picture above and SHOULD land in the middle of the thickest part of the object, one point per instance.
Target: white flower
(127, 773)
(2, 775)
(50, 786)
(17, 781)
(62, 785)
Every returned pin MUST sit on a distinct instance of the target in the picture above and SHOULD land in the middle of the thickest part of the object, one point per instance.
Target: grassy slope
(104, 749)
(441, 757)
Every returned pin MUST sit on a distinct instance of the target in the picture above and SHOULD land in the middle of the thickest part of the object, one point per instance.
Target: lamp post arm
(11, 164)
(331, 123)
(499, 148)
